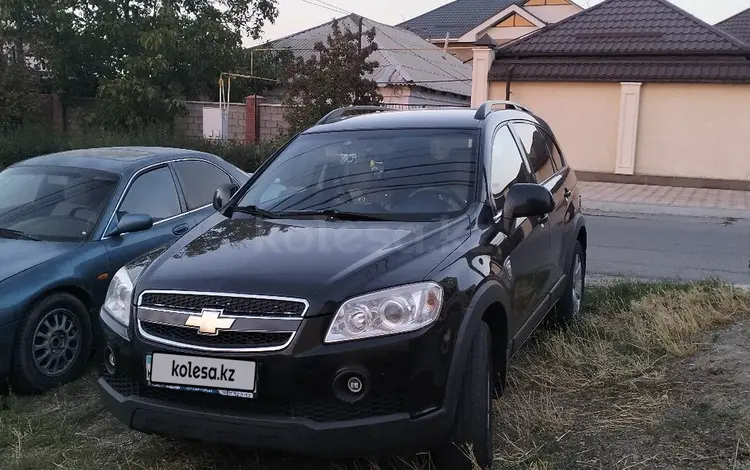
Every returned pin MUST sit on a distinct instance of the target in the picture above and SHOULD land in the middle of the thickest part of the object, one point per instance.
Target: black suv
(360, 295)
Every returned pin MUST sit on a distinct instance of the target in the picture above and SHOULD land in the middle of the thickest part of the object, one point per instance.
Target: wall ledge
(704, 183)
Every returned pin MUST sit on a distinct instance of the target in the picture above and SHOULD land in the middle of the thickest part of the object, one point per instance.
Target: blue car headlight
(119, 297)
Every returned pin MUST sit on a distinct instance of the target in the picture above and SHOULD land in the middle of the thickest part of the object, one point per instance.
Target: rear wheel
(570, 306)
(470, 445)
(52, 344)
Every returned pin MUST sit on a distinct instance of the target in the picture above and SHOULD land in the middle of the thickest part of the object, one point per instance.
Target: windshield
(52, 203)
(403, 174)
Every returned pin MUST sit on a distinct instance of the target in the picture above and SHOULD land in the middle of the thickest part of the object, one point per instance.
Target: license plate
(201, 374)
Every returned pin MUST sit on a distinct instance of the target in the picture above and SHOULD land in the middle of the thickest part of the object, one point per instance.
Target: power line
(327, 6)
(331, 5)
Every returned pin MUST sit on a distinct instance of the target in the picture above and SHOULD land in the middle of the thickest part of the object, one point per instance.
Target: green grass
(616, 391)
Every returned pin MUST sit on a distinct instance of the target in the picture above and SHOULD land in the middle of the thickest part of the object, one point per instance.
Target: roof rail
(486, 108)
(338, 114)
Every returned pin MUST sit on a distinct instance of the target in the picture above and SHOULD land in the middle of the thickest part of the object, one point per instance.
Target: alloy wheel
(56, 342)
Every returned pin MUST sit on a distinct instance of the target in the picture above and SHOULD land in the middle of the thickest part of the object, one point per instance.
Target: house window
(514, 20)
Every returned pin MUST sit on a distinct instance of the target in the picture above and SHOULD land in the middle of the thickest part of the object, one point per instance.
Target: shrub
(32, 140)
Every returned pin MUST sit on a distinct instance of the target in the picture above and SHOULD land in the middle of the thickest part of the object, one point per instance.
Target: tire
(52, 344)
(470, 445)
(569, 307)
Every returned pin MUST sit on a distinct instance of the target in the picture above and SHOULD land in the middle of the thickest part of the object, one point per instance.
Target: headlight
(119, 295)
(387, 312)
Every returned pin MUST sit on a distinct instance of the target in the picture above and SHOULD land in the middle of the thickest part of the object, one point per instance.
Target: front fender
(76, 272)
(488, 293)
(579, 222)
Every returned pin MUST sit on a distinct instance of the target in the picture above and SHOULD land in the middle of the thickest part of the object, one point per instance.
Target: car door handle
(567, 193)
(180, 229)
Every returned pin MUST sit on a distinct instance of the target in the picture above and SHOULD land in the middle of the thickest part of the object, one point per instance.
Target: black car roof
(448, 118)
(113, 159)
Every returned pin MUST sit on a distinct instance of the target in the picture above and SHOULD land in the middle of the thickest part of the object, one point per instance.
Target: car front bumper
(355, 438)
(297, 408)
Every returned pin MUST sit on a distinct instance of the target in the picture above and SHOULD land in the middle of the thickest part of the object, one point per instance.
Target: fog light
(110, 360)
(350, 385)
(355, 385)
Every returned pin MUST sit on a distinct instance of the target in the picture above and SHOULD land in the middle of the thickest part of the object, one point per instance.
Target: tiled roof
(403, 57)
(633, 27)
(624, 69)
(737, 25)
(456, 18)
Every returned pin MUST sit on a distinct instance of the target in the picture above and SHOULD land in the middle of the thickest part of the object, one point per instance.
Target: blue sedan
(68, 222)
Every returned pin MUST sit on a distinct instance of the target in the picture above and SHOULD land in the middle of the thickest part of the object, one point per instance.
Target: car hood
(17, 256)
(321, 261)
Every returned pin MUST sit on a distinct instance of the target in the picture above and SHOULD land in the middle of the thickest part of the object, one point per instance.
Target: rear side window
(508, 166)
(199, 180)
(535, 143)
(152, 193)
(555, 151)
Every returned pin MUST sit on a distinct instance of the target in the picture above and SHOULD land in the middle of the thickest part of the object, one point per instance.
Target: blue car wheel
(52, 344)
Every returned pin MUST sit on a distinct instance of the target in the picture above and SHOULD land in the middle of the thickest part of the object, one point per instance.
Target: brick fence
(263, 121)
(251, 122)
(191, 124)
(267, 120)
(254, 121)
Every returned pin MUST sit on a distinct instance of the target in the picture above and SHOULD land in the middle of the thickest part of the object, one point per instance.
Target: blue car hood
(17, 256)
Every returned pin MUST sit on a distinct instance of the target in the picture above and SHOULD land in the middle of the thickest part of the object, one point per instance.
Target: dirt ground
(657, 377)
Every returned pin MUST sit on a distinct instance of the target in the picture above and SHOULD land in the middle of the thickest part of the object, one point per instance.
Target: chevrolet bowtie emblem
(210, 321)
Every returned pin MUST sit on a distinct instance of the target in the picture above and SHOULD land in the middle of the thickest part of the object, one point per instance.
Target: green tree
(19, 93)
(334, 76)
(129, 51)
(19, 81)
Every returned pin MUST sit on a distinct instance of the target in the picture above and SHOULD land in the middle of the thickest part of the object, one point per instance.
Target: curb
(613, 208)
(596, 279)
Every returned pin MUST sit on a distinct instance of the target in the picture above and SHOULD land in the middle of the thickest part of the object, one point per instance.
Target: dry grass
(584, 397)
(612, 392)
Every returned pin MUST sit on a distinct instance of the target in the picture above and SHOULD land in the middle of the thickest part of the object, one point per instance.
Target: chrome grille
(224, 339)
(258, 323)
(231, 304)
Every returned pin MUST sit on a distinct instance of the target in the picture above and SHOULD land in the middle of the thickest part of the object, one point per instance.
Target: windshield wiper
(256, 211)
(331, 213)
(17, 234)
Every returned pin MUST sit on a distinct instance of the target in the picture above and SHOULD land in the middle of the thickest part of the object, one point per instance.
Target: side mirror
(132, 223)
(223, 194)
(528, 200)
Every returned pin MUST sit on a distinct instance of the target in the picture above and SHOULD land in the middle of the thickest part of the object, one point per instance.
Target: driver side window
(508, 166)
(153, 193)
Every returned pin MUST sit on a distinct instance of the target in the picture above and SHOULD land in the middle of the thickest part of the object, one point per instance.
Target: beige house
(458, 25)
(637, 91)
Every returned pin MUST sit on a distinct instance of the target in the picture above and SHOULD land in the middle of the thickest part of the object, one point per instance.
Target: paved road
(669, 247)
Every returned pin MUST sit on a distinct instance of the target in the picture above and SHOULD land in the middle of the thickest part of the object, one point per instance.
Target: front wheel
(52, 344)
(470, 445)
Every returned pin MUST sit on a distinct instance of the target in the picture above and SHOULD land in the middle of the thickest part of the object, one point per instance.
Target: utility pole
(359, 36)
(359, 52)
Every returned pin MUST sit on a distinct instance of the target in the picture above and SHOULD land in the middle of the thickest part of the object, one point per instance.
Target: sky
(296, 15)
